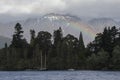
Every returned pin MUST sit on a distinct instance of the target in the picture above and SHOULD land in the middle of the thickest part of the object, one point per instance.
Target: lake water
(59, 75)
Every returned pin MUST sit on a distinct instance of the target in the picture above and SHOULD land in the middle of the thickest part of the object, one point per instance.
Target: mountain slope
(4, 40)
(100, 23)
(69, 24)
(50, 22)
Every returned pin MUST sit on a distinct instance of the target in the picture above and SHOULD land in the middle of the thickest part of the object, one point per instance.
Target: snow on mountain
(51, 22)
(69, 24)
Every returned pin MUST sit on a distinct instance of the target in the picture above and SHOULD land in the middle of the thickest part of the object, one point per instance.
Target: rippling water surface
(59, 75)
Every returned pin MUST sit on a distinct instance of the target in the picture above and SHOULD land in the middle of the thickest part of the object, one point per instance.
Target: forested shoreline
(55, 52)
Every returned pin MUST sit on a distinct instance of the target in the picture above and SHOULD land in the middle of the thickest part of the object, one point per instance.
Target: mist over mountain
(98, 24)
(70, 25)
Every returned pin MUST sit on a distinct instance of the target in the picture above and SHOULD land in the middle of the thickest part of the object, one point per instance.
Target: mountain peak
(55, 16)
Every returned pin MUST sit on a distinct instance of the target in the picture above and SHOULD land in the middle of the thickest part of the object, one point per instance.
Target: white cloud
(31, 6)
(45, 6)
(96, 8)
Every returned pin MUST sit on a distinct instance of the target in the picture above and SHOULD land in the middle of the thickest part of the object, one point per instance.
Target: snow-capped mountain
(69, 24)
(50, 22)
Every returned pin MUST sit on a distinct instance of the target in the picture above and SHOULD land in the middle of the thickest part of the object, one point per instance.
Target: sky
(20, 9)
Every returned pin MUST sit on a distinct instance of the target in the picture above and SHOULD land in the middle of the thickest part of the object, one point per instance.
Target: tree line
(56, 52)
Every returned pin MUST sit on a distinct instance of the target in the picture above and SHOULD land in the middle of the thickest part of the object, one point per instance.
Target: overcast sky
(19, 9)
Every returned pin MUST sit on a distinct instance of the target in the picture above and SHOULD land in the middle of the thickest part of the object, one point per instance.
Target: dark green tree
(71, 53)
(116, 58)
(98, 61)
(18, 41)
(43, 39)
(81, 52)
(58, 35)
(81, 42)
(32, 40)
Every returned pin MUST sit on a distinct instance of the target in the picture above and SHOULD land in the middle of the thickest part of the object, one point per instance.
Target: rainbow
(83, 28)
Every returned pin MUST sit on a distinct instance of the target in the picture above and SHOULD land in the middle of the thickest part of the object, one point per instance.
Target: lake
(59, 75)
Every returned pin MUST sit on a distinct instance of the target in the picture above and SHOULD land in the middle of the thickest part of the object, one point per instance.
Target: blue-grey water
(59, 75)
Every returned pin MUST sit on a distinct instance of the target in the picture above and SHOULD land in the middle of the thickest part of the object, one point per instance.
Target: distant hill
(4, 40)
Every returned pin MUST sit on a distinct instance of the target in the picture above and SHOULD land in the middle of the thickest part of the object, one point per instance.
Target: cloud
(89, 8)
(31, 6)
(46, 6)
(95, 8)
